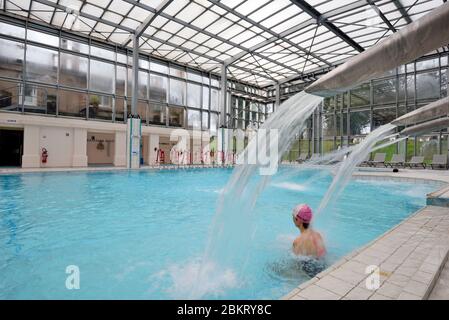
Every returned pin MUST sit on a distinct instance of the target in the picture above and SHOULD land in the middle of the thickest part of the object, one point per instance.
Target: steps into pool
(407, 262)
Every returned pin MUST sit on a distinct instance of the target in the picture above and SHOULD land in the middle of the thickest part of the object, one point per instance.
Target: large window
(40, 99)
(41, 65)
(10, 96)
(73, 104)
(427, 85)
(177, 92)
(193, 95)
(100, 107)
(176, 116)
(73, 71)
(360, 123)
(193, 119)
(156, 114)
(11, 59)
(101, 76)
(158, 88)
(120, 83)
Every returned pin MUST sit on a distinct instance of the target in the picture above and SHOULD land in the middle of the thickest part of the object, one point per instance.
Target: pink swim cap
(303, 212)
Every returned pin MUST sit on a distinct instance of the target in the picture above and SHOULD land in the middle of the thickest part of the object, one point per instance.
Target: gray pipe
(431, 111)
(426, 127)
(413, 41)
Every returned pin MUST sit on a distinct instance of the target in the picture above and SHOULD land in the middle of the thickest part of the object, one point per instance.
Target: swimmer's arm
(297, 246)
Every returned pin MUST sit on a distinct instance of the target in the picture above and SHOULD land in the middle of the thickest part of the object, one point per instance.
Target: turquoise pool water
(140, 234)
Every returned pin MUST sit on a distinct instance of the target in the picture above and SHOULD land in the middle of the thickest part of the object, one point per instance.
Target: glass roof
(264, 41)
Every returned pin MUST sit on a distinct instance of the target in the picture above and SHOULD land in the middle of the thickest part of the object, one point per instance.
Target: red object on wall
(44, 155)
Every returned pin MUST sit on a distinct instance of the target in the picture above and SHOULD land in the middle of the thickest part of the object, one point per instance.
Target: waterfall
(347, 167)
(232, 226)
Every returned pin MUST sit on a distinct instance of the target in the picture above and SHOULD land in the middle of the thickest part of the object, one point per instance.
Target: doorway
(11, 147)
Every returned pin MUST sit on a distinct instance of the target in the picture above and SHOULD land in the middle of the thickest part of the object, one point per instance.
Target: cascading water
(347, 167)
(232, 226)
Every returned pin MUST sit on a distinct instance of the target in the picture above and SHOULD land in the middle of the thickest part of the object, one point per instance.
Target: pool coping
(12, 171)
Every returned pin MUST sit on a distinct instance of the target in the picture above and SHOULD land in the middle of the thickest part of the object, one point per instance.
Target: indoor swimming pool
(142, 234)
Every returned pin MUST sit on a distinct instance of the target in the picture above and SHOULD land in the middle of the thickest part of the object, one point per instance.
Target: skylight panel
(120, 7)
(152, 3)
(267, 10)
(139, 14)
(92, 10)
(133, 24)
(191, 12)
(72, 4)
(176, 6)
(250, 6)
(113, 17)
(42, 11)
(205, 19)
(219, 25)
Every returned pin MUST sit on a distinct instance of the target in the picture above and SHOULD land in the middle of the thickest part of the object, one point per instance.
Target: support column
(278, 97)
(79, 148)
(153, 147)
(223, 95)
(133, 127)
(120, 149)
(31, 150)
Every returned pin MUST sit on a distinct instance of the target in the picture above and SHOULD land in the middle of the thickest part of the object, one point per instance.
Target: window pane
(193, 95)
(11, 59)
(383, 116)
(40, 100)
(177, 92)
(328, 124)
(41, 65)
(73, 71)
(214, 101)
(156, 114)
(143, 85)
(205, 122)
(44, 38)
(144, 64)
(101, 76)
(72, 103)
(177, 72)
(360, 123)
(213, 123)
(100, 107)
(194, 76)
(176, 117)
(142, 111)
(74, 46)
(193, 119)
(154, 66)
(119, 110)
(360, 96)
(10, 96)
(158, 88)
(428, 85)
(102, 53)
(214, 82)
(121, 81)
(11, 30)
(205, 97)
(384, 91)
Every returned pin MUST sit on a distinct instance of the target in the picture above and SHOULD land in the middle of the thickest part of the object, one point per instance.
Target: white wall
(59, 144)
(66, 140)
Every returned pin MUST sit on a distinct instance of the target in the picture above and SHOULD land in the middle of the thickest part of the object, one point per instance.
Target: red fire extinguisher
(44, 155)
